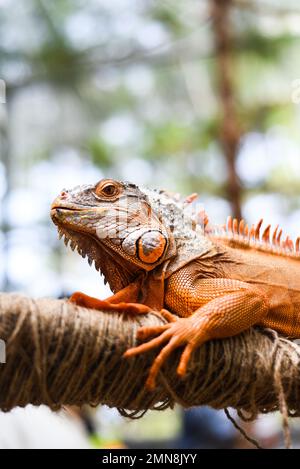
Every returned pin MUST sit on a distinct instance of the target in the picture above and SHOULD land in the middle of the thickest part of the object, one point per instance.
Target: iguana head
(113, 224)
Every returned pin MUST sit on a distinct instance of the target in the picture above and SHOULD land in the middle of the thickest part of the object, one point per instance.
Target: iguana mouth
(67, 209)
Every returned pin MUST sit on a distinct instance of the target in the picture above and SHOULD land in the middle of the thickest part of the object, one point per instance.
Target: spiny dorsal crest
(254, 236)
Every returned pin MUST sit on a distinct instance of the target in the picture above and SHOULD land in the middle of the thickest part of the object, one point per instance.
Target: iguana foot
(178, 332)
(80, 299)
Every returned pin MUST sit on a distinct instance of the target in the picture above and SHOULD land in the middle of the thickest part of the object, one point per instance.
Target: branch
(230, 131)
(59, 354)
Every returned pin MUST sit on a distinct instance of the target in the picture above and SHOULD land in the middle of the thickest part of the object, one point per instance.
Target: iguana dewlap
(208, 283)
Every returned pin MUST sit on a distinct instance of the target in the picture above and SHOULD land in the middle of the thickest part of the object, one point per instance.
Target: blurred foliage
(170, 18)
(173, 106)
(130, 88)
(100, 152)
(170, 138)
(268, 48)
(173, 138)
(265, 116)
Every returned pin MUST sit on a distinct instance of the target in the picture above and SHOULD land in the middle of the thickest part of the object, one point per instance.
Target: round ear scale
(151, 246)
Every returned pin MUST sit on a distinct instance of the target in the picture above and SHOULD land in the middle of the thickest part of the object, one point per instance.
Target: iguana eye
(108, 189)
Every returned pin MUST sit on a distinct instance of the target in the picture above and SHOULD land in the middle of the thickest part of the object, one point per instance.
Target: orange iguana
(208, 283)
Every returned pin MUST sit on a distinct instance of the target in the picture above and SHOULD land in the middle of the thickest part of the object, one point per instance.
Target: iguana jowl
(208, 284)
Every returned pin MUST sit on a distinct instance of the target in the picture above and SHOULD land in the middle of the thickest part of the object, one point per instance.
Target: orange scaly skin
(215, 285)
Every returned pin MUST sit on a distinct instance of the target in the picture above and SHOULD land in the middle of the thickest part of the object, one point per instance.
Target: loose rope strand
(241, 430)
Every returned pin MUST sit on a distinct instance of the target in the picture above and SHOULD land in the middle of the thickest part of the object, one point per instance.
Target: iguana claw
(176, 333)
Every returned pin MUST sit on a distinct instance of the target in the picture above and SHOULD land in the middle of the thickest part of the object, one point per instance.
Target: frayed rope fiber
(59, 354)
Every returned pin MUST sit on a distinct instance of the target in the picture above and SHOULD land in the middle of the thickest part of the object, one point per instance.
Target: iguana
(207, 282)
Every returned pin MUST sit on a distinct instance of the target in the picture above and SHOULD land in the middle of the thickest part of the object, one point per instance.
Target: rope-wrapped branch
(59, 354)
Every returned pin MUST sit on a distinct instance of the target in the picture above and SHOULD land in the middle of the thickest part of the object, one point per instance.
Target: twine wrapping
(59, 354)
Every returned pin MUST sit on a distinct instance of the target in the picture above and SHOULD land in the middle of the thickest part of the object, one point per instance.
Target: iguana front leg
(226, 308)
(125, 301)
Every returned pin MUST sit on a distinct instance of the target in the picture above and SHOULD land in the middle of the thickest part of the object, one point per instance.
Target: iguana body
(214, 283)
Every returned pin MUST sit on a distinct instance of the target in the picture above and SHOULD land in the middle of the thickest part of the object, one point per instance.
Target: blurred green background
(194, 95)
